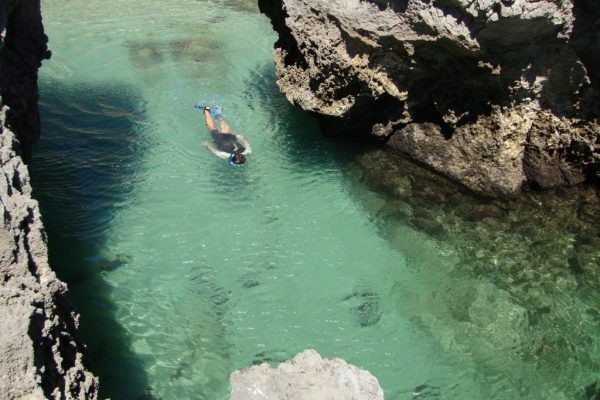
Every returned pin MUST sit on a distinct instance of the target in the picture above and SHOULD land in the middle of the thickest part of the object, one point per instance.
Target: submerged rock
(423, 392)
(366, 311)
(109, 265)
(521, 276)
(493, 94)
(307, 376)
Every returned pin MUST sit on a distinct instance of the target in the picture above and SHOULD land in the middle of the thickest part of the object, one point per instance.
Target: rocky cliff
(40, 356)
(492, 93)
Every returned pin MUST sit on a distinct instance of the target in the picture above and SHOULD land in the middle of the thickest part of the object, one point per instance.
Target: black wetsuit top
(227, 142)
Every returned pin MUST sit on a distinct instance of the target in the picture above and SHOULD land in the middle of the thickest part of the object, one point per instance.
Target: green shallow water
(185, 269)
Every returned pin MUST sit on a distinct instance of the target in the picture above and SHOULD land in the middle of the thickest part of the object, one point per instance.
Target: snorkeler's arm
(218, 153)
(246, 145)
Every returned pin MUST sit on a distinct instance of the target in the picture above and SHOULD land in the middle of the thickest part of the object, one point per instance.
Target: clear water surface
(185, 269)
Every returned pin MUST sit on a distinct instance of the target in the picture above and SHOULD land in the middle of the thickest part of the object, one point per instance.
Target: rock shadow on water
(297, 133)
(85, 167)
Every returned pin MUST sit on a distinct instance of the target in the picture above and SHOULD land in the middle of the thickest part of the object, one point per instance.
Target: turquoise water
(185, 269)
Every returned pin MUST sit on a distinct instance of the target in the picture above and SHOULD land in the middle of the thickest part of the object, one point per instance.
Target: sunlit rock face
(494, 94)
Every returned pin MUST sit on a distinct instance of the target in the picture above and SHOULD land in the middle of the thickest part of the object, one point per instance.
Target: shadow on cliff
(83, 170)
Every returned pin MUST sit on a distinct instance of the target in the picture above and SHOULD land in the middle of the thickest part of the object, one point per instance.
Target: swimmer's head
(238, 158)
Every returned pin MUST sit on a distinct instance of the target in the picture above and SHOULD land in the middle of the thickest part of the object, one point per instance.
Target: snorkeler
(230, 146)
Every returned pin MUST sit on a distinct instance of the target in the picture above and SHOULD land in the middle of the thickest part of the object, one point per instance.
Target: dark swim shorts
(227, 142)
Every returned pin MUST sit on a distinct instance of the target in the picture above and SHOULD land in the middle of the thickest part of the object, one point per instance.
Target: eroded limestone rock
(491, 93)
(307, 376)
(40, 357)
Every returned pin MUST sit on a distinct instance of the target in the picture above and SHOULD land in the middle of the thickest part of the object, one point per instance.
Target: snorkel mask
(236, 159)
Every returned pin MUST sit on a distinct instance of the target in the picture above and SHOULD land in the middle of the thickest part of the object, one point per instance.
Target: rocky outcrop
(492, 93)
(307, 376)
(41, 359)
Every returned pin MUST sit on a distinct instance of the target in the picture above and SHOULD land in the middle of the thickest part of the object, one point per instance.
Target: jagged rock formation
(40, 357)
(307, 376)
(492, 93)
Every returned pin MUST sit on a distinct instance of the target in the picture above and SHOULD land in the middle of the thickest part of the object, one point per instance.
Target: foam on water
(185, 269)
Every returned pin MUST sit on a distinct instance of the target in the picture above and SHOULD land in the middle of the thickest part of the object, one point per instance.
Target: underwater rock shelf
(523, 279)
